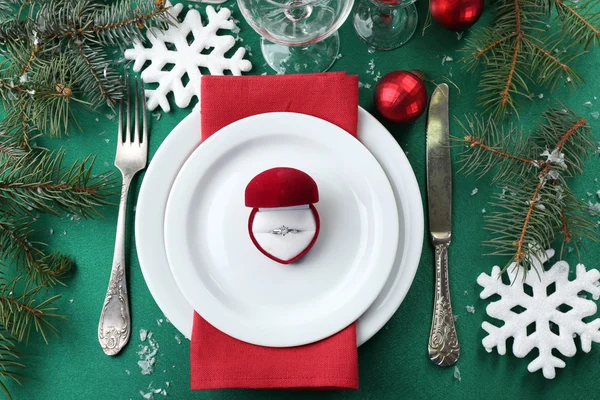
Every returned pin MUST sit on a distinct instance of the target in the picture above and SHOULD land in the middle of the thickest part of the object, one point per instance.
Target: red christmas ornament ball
(401, 96)
(456, 15)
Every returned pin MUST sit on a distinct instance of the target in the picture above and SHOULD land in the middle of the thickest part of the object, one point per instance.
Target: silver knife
(443, 347)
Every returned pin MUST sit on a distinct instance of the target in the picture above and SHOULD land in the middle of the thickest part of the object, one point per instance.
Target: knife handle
(444, 348)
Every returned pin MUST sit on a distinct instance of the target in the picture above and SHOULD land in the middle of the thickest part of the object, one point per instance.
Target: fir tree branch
(41, 183)
(9, 364)
(18, 250)
(513, 66)
(520, 253)
(19, 314)
(565, 226)
(574, 21)
(535, 205)
(493, 45)
(477, 142)
(88, 62)
(34, 51)
(516, 49)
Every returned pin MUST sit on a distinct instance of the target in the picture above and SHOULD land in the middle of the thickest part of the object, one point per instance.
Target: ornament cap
(420, 74)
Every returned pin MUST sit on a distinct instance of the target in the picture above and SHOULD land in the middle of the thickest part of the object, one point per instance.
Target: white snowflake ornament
(531, 302)
(181, 50)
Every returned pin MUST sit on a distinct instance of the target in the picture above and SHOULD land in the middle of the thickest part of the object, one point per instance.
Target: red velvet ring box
(284, 223)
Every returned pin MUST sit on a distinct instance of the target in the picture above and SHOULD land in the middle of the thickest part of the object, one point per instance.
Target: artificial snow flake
(556, 157)
(457, 374)
(173, 58)
(544, 310)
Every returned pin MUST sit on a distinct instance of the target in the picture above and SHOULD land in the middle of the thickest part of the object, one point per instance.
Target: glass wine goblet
(298, 36)
(385, 24)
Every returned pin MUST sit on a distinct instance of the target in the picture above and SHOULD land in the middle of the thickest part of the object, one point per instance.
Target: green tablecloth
(394, 363)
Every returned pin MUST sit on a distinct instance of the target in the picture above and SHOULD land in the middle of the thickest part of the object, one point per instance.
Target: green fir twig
(536, 205)
(518, 51)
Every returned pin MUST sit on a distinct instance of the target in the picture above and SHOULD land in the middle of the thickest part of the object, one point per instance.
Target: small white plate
(234, 286)
(172, 154)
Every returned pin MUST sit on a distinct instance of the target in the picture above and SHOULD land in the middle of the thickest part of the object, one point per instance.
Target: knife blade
(443, 346)
(439, 167)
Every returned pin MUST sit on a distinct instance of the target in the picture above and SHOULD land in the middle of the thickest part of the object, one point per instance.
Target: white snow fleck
(556, 157)
(588, 104)
(111, 117)
(370, 50)
(107, 140)
(51, 231)
(147, 356)
(474, 192)
(128, 372)
(64, 233)
(594, 208)
(446, 59)
(470, 309)
(147, 396)
(457, 374)
(371, 69)
(159, 322)
(483, 210)
(552, 174)
(157, 115)
(177, 339)
(459, 35)
(595, 114)
(97, 119)
(568, 79)
(23, 78)
(541, 95)
(106, 164)
(143, 334)
(71, 301)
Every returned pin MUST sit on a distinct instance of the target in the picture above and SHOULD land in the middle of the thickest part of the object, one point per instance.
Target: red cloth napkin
(217, 360)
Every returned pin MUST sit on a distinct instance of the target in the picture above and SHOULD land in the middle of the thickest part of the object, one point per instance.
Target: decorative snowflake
(548, 305)
(178, 53)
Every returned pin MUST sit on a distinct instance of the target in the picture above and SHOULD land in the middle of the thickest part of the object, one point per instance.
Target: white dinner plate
(234, 286)
(173, 153)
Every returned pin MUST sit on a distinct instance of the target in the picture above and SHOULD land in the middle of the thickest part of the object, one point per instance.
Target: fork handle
(114, 328)
(444, 348)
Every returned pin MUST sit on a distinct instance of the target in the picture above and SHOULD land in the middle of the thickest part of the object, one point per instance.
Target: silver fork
(114, 328)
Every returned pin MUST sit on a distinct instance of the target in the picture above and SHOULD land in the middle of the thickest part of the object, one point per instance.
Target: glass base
(385, 28)
(317, 57)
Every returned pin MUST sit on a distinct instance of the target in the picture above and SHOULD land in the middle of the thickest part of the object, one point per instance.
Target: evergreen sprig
(535, 205)
(16, 249)
(520, 48)
(55, 55)
(41, 183)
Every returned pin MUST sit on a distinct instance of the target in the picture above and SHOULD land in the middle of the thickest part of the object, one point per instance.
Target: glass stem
(387, 14)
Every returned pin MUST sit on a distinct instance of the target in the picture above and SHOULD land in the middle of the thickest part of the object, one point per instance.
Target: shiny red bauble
(456, 15)
(401, 96)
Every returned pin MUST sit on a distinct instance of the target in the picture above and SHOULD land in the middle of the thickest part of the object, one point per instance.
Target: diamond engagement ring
(284, 230)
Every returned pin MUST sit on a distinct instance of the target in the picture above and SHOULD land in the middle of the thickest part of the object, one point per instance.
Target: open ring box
(284, 223)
